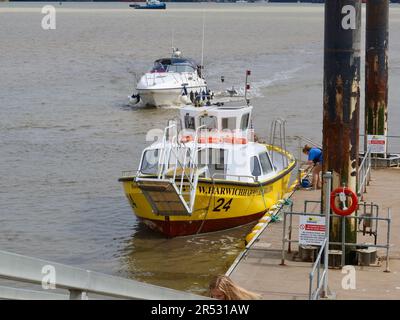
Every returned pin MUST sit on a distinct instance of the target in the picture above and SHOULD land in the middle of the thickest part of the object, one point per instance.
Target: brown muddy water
(67, 132)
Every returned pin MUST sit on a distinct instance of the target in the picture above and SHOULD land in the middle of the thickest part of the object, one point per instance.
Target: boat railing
(179, 163)
(314, 294)
(279, 139)
(238, 176)
(164, 151)
(79, 284)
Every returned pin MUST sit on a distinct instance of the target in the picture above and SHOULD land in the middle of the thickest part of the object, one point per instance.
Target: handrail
(364, 173)
(312, 142)
(233, 175)
(314, 294)
(79, 281)
(161, 159)
(300, 146)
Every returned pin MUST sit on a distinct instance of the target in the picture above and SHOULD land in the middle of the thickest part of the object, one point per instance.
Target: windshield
(159, 67)
(180, 68)
(150, 162)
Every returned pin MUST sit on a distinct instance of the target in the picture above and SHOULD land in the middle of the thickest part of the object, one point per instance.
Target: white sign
(311, 230)
(377, 143)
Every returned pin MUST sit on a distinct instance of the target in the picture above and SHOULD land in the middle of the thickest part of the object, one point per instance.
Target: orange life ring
(228, 139)
(225, 139)
(214, 140)
(240, 140)
(347, 192)
(185, 139)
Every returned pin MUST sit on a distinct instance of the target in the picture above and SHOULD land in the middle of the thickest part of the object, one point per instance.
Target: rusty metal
(342, 103)
(376, 68)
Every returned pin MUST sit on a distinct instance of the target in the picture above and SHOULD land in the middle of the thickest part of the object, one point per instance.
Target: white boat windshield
(174, 65)
(180, 68)
(150, 162)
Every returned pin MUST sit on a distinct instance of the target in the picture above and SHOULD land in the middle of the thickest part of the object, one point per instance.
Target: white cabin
(222, 138)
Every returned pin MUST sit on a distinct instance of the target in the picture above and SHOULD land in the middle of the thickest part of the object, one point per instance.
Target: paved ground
(260, 269)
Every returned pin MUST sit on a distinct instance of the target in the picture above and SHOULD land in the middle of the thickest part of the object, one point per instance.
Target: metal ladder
(173, 192)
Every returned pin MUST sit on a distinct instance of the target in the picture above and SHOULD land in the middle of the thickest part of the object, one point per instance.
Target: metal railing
(301, 141)
(366, 218)
(364, 174)
(322, 279)
(77, 281)
(280, 126)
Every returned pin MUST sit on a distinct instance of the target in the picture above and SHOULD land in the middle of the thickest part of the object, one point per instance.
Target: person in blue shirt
(315, 159)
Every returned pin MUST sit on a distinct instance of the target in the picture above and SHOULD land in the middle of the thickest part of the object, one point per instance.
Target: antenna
(172, 38)
(202, 44)
(247, 86)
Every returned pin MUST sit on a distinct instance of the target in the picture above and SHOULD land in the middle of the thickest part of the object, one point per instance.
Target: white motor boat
(172, 81)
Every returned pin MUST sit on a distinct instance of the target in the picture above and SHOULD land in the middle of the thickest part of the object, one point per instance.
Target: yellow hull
(219, 204)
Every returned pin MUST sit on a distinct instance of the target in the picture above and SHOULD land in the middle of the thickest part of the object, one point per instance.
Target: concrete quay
(259, 269)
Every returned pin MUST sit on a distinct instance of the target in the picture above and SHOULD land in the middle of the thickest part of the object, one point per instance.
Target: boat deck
(260, 270)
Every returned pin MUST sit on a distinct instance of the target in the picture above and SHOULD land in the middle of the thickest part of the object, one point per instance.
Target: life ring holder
(347, 192)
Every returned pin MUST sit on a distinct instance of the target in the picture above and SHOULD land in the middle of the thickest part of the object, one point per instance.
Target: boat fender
(185, 139)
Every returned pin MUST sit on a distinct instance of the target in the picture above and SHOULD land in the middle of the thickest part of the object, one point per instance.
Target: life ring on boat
(210, 140)
(346, 192)
(185, 139)
(232, 140)
(239, 140)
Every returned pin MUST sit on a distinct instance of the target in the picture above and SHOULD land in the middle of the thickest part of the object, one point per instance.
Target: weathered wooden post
(342, 103)
(376, 69)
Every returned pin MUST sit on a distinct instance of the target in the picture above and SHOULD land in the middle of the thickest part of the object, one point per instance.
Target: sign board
(311, 230)
(377, 143)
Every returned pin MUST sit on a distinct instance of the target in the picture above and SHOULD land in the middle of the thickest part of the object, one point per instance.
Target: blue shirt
(315, 155)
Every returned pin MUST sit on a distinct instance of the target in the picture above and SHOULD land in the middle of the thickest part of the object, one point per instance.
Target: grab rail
(77, 281)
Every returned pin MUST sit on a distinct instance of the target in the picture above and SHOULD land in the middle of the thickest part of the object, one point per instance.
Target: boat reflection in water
(184, 263)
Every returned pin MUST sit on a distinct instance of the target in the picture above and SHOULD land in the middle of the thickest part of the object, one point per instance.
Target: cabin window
(219, 159)
(158, 67)
(255, 166)
(265, 163)
(215, 159)
(229, 123)
(244, 124)
(150, 162)
(180, 68)
(210, 122)
(189, 122)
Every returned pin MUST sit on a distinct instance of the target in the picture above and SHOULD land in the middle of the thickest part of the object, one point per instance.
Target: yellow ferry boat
(207, 173)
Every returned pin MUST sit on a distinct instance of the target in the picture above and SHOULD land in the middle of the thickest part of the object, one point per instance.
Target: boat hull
(219, 205)
(164, 97)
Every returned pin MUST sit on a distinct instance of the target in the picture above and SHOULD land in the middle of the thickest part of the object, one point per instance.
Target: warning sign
(377, 143)
(311, 230)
